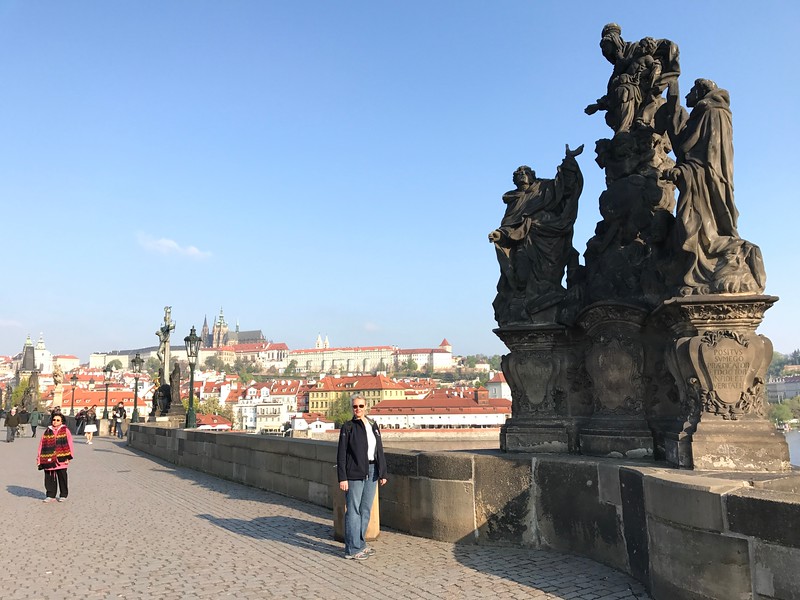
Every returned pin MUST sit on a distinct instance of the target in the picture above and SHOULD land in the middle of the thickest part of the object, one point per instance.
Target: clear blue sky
(333, 167)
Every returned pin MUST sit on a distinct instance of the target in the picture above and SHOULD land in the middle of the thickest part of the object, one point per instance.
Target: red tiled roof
(441, 405)
(313, 417)
(212, 420)
(366, 382)
(343, 349)
(259, 346)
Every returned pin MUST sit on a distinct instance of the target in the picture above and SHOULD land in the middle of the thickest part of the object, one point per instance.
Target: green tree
(151, 365)
(780, 413)
(776, 366)
(215, 363)
(794, 406)
(211, 406)
(115, 364)
(794, 357)
(19, 392)
(409, 366)
(246, 370)
(291, 368)
(341, 409)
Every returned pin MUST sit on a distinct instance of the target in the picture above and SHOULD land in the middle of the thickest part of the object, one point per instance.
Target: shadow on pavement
(24, 492)
(234, 490)
(296, 532)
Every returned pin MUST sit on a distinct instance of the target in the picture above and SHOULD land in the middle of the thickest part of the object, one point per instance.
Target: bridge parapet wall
(686, 535)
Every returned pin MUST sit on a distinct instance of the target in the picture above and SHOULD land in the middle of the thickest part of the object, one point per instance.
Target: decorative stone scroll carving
(547, 385)
(720, 368)
(614, 359)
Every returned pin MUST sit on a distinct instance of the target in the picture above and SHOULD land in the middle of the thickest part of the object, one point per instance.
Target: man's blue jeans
(360, 496)
(119, 429)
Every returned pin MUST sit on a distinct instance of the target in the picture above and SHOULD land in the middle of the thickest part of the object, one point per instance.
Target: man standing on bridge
(360, 465)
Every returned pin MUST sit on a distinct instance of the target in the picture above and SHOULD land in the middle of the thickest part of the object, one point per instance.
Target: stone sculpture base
(545, 412)
(176, 410)
(614, 361)
(58, 396)
(750, 446)
(615, 440)
(171, 422)
(719, 363)
(541, 435)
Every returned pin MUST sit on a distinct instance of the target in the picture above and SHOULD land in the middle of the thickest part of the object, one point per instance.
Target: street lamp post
(192, 342)
(137, 363)
(107, 371)
(74, 381)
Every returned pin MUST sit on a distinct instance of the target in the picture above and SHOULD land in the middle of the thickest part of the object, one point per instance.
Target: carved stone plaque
(727, 359)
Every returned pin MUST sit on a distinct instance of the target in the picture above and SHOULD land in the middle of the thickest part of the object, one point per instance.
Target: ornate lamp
(74, 381)
(107, 372)
(136, 363)
(192, 342)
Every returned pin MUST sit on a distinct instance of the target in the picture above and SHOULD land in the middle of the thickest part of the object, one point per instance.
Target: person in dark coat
(34, 420)
(12, 422)
(360, 467)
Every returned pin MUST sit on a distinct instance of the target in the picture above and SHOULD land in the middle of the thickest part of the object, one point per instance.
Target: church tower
(204, 332)
(220, 332)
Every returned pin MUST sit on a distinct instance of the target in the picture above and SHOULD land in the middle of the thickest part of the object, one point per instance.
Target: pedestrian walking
(91, 423)
(24, 418)
(12, 422)
(55, 452)
(360, 466)
(120, 414)
(36, 416)
(80, 422)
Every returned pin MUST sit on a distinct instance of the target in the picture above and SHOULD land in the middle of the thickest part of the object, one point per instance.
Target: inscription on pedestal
(728, 359)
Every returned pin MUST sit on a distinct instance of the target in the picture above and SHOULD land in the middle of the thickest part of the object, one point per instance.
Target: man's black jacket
(351, 458)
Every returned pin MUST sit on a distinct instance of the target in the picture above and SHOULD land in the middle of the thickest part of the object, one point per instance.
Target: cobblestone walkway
(138, 528)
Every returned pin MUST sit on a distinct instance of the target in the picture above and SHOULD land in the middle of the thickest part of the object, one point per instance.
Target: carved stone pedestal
(751, 445)
(58, 396)
(546, 408)
(614, 360)
(719, 363)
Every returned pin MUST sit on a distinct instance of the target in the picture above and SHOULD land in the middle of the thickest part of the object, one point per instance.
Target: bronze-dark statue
(642, 70)
(534, 241)
(719, 260)
(652, 349)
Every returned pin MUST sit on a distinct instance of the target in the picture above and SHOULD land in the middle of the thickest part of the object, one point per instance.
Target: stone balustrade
(686, 535)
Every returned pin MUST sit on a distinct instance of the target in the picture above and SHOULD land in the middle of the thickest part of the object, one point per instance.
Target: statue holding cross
(163, 339)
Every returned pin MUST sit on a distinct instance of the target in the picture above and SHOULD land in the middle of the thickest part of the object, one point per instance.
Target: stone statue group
(649, 348)
(641, 251)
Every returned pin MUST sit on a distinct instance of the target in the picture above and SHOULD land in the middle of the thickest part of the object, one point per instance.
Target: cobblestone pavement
(139, 528)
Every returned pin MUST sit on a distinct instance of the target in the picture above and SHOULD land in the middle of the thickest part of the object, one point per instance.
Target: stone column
(548, 402)
(720, 364)
(58, 395)
(614, 359)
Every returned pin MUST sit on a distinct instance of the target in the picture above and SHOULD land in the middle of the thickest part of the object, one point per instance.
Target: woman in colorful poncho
(55, 452)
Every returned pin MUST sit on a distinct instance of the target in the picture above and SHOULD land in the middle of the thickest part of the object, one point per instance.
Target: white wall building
(783, 388)
(443, 409)
(498, 387)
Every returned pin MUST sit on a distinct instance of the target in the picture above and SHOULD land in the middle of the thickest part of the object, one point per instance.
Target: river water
(793, 439)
